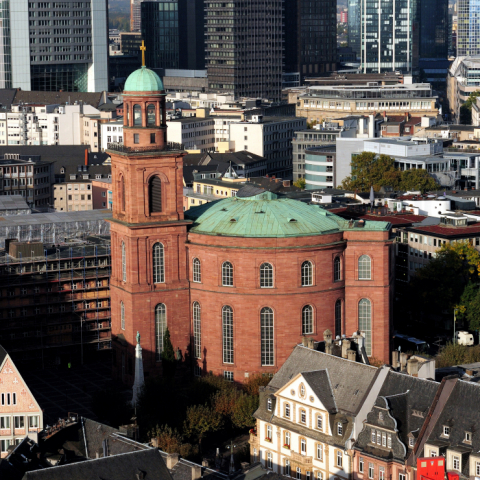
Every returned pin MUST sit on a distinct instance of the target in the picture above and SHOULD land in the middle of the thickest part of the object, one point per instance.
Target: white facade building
(51, 46)
(111, 132)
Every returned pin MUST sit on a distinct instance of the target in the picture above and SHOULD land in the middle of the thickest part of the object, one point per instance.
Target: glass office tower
(354, 25)
(386, 36)
(468, 30)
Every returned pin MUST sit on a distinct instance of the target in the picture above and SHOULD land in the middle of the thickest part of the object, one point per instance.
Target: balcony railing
(167, 147)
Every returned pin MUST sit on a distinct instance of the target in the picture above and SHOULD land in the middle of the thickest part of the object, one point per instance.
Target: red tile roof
(401, 219)
(449, 231)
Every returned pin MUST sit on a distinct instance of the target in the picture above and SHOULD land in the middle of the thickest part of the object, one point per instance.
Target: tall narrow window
(151, 115)
(155, 194)
(158, 264)
(160, 327)
(266, 275)
(122, 315)
(137, 115)
(307, 319)
(197, 330)
(307, 274)
(124, 263)
(128, 115)
(364, 268)
(266, 327)
(338, 318)
(197, 270)
(365, 322)
(122, 193)
(337, 273)
(227, 328)
(227, 274)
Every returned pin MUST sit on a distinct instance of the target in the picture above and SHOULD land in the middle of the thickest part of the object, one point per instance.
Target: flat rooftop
(59, 217)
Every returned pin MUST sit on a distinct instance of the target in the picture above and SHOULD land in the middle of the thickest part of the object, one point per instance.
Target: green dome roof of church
(143, 80)
(266, 215)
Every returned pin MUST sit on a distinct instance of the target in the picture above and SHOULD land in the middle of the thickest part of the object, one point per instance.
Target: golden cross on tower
(143, 48)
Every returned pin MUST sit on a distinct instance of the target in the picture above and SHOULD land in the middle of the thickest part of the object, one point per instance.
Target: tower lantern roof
(143, 80)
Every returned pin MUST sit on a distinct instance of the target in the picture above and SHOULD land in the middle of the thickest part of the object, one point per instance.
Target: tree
(466, 108)
(369, 170)
(254, 382)
(454, 354)
(418, 179)
(300, 183)
(201, 420)
(168, 439)
(169, 364)
(242, 415)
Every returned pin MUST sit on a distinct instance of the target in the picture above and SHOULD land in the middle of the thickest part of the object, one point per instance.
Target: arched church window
(151, 115)
(155, 194)
(137, 115)
(160, 328)
(122, 193)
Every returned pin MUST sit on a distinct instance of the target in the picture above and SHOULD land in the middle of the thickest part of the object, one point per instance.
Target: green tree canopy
(242, 415)
(418, 179)
(300, 183)
(369, 170)
(466, 108)
(201, 420)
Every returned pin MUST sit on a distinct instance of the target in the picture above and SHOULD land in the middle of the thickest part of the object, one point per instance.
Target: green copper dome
(266, 215)
(143, 80)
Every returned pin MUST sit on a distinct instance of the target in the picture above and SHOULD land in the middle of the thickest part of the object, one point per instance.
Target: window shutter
(155, 195)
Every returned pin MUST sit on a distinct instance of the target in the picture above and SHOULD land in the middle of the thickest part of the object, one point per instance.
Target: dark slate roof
(95, 434)
(249, 191)
(190, 169)
(61, 98)
(462, 414)
(3, 354)
(146, 464)
(7, 96)
(97, 157)
(67, 154)
(91, 171)
(405, 402)
(182, 470)
(350, 381)
(274, 185)
(319, 382)
(193, 159)
(242, 157)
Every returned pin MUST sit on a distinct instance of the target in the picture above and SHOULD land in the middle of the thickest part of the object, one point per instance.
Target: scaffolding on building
(56, 307)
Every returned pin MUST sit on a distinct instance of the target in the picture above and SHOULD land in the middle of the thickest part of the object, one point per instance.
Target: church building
(238, 282)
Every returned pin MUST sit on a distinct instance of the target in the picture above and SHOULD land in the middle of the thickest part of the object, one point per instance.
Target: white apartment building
(111, 132)
(52, 125)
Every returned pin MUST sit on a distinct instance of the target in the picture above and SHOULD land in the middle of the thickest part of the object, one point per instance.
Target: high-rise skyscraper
(468, 28)
(310, 37)
(174, 33)
(354, 25)
(430, 28)
(244, 47)
(135, 15)
(54, 46)
(386, 35)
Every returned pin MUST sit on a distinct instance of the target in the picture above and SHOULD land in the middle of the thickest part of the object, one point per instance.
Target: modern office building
(468, 28)
(354, 26)
(431, 28)
(173, 32)
(135, 15)
(52, 46)
(244, 48)
(310, 37)
(386, 35)
(332, 102)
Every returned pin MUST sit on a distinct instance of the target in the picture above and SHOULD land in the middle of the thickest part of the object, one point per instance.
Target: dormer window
(287, 410)
(269, 404)
(62, 170)
(380, 415)
(468, 437)
(411, 442)
(339, 428)
(446, 431)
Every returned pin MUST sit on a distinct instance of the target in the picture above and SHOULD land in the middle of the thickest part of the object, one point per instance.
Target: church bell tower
(149, 285)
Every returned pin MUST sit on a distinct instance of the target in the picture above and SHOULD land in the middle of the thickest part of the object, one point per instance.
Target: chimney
(351, 355)
(172, 460)
(305, 341)
(329, 348)
(310, 343)
(412, 367)
(286, 183)
(403, 360)
(395, 359)
(196, 472)
(273, 176)
(205, 463)
(345, 348)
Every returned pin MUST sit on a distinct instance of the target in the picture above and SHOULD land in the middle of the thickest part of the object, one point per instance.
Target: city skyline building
(386, 36)
(310, 37)
(173, 32)
(354, 25)
(135, 15)
(66, 48)
(244, 48)
(468, 28)
(431, 28)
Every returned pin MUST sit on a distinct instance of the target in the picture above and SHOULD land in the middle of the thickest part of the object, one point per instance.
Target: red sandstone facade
(136, 229)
